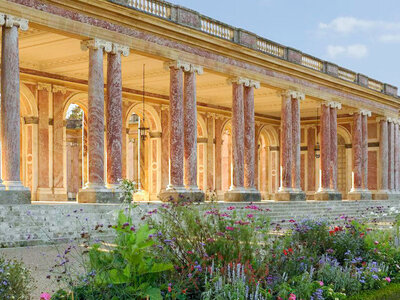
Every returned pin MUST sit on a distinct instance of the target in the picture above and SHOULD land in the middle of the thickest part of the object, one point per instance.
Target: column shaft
(296, 144)
(325, 147)
(311, 159)
(391, 156)
(43, 145)
(334, 148)
(164, 148)
(249, 138)
(10, 107)
(396, 157)
(114, 118)
(176, 127)
(383, 155)
(96, 118)
(357, 151)
(364, 145)
(218, 153)
(286, 143)
(190, 130)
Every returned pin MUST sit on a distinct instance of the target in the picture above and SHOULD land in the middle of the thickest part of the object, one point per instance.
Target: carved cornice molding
(59, 89)
(10, 21)
(97, 44)
(120, 49)
(41, 86)
(293, 94)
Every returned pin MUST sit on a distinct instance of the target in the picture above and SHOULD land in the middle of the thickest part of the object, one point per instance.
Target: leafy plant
(16, 281)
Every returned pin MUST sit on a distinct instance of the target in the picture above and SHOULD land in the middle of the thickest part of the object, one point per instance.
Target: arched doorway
(226, 157)
(143, 150)
(29, 134)
(75, 150)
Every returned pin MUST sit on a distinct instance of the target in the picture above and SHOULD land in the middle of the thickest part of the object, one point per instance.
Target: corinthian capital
(10, 21)
(178, 64)
(120, 49)
(365, 112)
(96, 44)
(334, 104)
(294, 94)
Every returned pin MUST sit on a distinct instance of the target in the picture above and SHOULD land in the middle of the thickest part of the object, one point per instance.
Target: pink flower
(292, 297)
(45, 296)
(230, 228)
(321, 283)
(387, 279)
(376, 242)
(231, 208)
(250, 216)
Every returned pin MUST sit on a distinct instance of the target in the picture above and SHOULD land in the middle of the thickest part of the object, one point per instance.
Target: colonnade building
(100, 90)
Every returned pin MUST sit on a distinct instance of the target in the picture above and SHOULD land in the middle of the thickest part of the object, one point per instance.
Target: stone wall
(25, 225)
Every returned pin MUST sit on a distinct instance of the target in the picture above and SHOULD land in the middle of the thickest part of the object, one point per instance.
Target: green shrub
(16, 281)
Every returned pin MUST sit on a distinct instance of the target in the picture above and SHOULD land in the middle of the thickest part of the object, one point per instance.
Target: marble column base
(359, 195)
(242, 195)
(15, 197)
(290, 195)
(60, 194)
(99, 194)
(327, 195)
(44, 194)
(197, 195)
(386, 195)
(141, 196)
(175, 194)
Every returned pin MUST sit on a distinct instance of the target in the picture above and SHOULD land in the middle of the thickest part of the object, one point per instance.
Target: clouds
(357, 51)
(376, 30)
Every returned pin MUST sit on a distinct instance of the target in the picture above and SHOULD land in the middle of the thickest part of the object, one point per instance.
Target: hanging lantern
(142, 128)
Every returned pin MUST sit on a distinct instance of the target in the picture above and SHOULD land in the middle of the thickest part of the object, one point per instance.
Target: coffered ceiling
(59, 54)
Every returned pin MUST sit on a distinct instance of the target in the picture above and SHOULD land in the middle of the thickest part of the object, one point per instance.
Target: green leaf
(154, 293)
(127, 271)
(117, 277)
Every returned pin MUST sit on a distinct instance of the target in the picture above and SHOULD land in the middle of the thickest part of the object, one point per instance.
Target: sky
(361, 35)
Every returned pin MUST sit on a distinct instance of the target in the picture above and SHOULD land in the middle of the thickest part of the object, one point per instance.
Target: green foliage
(390, 292)
(16, 281)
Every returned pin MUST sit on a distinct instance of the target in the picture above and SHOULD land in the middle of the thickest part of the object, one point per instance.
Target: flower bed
(187, 251)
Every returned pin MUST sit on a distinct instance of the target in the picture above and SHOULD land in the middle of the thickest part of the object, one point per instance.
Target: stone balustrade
(191, 18)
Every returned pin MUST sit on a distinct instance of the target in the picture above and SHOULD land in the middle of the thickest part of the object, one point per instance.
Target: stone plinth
(327, 196)
(359, 195)
(22, 196)
(99, 195)
(290, 195)
(242, 195)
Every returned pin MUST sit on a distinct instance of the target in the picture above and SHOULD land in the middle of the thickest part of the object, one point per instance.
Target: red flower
(184, 291)
(362, 235)
(331, 232)
(169, 288)
(230, 228)
(285, 252)
(290, 250)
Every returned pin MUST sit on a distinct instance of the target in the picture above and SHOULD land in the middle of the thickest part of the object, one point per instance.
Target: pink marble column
(249, 138)
(10, 102)
(176, 128)
(383, 155)
(218, 153)
(357, 151)
(286, 147)
(190, 130)
(60, 191)
(334, 147)
(296, 144)
(210, 152)
(311, 159)
(396, 156)
(114, 114)
(165, 147)
(237, 135)
(391, 156)
(96, 112)
(43, 139)
(364, 143)
(325, 147)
